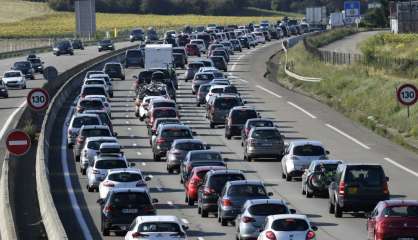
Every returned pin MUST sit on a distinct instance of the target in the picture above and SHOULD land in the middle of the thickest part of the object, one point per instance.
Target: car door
(371, 223)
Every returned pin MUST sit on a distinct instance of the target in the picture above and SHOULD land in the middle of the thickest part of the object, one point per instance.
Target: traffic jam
(196, 61)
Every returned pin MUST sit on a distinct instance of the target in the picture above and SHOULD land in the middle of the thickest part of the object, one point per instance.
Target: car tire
(303, 189)
(170, 170)
(105, 232)
(204, 213)
(89, 189)
(331, 208)
(71, 53)
(338, 213)
(156, 158)
(308, 193)
(141, 118)
(83, 171)
(136, 114)
(77, 158)
(228, 136)
(24, 86)
(123, 78)
(199, 210)
(190, 202)
(283, 175)
(212, 125)
(288, 178)
(224, 222)
(197, 104)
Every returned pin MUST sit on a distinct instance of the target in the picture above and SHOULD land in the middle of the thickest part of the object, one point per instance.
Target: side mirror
(194, 133)
(207, 147)
(270, 194)
(226, 159)
(314, 228)
(245, 102)
(327, 152)
(260, 230)
(292, 211)
(132, 164)
(134, 77)
(147, 178)
(185, 227)
(115, 134)
(100, 201)
(154, 200)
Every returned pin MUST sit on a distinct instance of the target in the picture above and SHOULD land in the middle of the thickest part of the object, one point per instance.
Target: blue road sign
(352, 9)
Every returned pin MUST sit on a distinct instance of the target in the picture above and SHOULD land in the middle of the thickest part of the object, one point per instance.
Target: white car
(260, 37)
(104, 100)
(143, 108)
(200, 44)
(122, 178)
(299, 155)
(157, 227)
(220, 82)
(90, 151)
(107, 79)
(214, 89)
(288, 227)
(14, 79)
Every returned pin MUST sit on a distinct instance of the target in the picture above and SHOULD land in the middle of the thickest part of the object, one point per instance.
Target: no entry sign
(407, 94)
(18, 142)
(38, 99)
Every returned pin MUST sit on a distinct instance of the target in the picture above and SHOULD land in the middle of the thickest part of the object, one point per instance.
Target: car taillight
(195, 181)
(310, 235)
(226, 202)
(148, 209)
(108, 209)
(141, 183)
(139, 235)
(80, 140)
(247, 219)
(385, 188)
(108, 184)
(160, 140)
(208, 191)
(270, 235)
(341, 189)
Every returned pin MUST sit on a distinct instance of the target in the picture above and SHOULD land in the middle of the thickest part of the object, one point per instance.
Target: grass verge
(363, 93)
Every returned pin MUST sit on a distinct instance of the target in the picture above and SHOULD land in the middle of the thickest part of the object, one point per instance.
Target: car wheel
(204, 213)
(308, 193)
(170, 170)
(199, 210)
(211, 125)
(157, 158)
(338, 211)
(77, 158)
(224, 222)
(227, 136)
(123, 78)
(283, 175)
(83, 171)
(141, 118)
(198, 104)
(71, 53)
(288, 178)
(330, 207)
(190, 201)
(219, 216)
(89, 189)
(105, 232)
(136, 114)
(303, 189)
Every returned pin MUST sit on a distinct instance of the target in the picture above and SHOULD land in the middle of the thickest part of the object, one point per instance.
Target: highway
(298, 117)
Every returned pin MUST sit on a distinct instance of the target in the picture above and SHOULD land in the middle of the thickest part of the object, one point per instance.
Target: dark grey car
(220, 108)
(198, 156)
(165, 136)
(179, 150)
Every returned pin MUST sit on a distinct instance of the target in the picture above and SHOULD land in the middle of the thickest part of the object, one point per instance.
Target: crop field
(63, 24)
(16, 10)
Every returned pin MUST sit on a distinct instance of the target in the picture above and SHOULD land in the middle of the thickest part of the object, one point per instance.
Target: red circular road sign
(407, 94)
(38, 99)
(18, 142)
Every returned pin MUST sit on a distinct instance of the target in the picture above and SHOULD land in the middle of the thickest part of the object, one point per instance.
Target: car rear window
(204, 88)
(290, 224)
(260, 124)
(204, 77)
(401, 211)
(133, 54)
(96, 133)
(166, 121)
(226, 103)
(217, 90)
(165, 113)
(163, 104)
(268, 209)
(176, 133)
(248, 190)
(89, 82)
(110, 164)
(135, 199)
(218, 181)
(94, 91)
(80, 121)
(266, 134)
(370, 176)
(189, 146)
(241, 116)
(113, 67)
(159, 227)
(308, 150)
(91, 104)
(206, 156)
(95, 145)
(125, 177)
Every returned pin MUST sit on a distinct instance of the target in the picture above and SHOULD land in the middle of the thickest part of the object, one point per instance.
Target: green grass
(330, 36)
(362, 93)
(16, 10)
(252, 11)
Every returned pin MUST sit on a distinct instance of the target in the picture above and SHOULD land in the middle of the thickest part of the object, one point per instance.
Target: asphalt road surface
(350, 44)
(297, 116)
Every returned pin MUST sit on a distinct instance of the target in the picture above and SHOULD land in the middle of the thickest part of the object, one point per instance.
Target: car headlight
(55, 49)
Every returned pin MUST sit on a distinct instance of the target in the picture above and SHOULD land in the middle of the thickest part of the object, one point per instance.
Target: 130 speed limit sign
(407, 94)
(38, 99)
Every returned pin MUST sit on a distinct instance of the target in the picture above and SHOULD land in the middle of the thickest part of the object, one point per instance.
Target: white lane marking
(170, 203)
(144, 164)
(242, 80)
(160, 189)
(132, 136)
(9, 120)
(18, 143)
(268, 91)
(127, 122)
(138, 153)
(134, 144)
(348, 136)
(129, 129)
(200, 238)
(401, 167)
(303, 110)
(68, 184)
(127, 116)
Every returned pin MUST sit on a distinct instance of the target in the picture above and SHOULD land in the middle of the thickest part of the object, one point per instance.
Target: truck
(316, 17)
(336, 19)
(158, 56)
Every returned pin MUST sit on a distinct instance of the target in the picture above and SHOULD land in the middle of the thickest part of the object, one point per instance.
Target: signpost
(18, 142)
(38, 99)
(351, 11)
(407, 95)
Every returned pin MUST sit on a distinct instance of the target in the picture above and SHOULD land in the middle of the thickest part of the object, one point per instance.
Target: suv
(103, 162)
(134, 58)
(316, 179)
(219, 63)
(122, 206)
(25, 67)
(254, 122)
(106, 44)
(236, 119)
(213, 183)
(357, 187)
(220, 108)
(114, 70)
(165, 136)
(199, 79)
(264, 142)
(89, 131)
(137, 35)
(235, 194)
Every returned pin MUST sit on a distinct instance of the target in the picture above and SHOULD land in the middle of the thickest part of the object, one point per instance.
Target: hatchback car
(288, 227)
(157, 227)
(393, 219)
(236, 45)
(89, 104)
(220, 63)
(316, 178)
(89, 131)
(121, 206)
(153, 129)
(134, 58)
(14, 79)
(236, 119)
(357, 187)
(91, 150)
(163, 112)
(77, 121)
(298, 156)
(254, 122)
(114, 70)
(165, 136)
(264, 142)
(25, 67)
(97, 172)
(235, 194)
(219, 110)
(192, 69)
(201, 78)
(93, 90)
(106, 44)
(142, 110)
(254, 213)
(106, 78)
(104, 117)
(178, 151)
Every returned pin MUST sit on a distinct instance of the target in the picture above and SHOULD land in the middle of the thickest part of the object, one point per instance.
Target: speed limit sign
(407, 94)
(38, 99)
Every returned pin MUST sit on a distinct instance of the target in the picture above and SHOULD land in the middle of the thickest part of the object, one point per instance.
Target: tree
(157, 6)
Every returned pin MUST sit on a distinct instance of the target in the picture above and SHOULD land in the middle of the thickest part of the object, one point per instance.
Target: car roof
(79, 115)
(327, 161)
(259, 120)
(84, 127)
(264, 128)
(177, 141)
(171, 126)
(306, 142)
(93, 85)
(245, 182)
(226, 171)
(251, 202)
(285, 216)
(208, 168)
(110, 145)
(91, 139)
(134, 189)
(400, 202)
(238, 108)
(203, 151)
(125, 170)
(159, 218)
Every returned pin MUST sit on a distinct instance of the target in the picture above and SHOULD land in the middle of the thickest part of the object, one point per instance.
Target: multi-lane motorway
(297, 116)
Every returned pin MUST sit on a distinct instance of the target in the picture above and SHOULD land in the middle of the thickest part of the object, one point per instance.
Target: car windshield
(205, 156)
(104, 42)
(163, 104)
(113, 67)
(370, 176)
(89, 82)
(218, 181)
(96, 133)
(95, 145)
(327, 167)
(176, 133)
(11, 74)
(94, 91)
(401, 211)
(226, 103)
(205, 76)
(64, 44)
(248, 190)
(241, 116)
(266, 134)
(137, 31)
(217, 60)
(268, 209)
(125, 177)
(159, 227)
(260, 124)
(189, 146)
(308, 150)
(110, 164)
(80, 121)
(165, 114)
(22, 65)
(91, 104)
(289, 225)
(133, 199)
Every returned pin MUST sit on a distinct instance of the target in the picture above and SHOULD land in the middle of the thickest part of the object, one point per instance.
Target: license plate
(130, 210)
(352, 190)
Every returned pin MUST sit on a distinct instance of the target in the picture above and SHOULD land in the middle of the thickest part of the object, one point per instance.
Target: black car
(179, 61)
(236, 119)
(122, 206)
(357, 187)
(219, 63)
(245, 42)
(25, 67)
(152, 35)
(77, 44)
(134, 58)
(209, 191)
(137, 35)
(106, 44)
(182, 51)
(63, 47)
(114, 70)
(30, 56)
(37, 65)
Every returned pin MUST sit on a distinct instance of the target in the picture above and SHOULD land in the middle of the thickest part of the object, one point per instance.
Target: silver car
(77, 121)
(107, 79)
(299, 155)
(264, 142)
(90, 151)
(288, 227)
(179, 150)
(254, 213)
(102, 164)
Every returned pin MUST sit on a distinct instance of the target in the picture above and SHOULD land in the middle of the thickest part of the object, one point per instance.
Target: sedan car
(254, 122)
(316, 178)
(197, 156)
(235, 120)
(178, 151)
(288, 227)
(14, 79)
(157, 227)
(106, 44)
(165, 136)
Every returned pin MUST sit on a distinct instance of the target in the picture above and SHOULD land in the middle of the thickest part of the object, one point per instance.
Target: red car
(393, 219)
(192, 185)
(192, 50)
